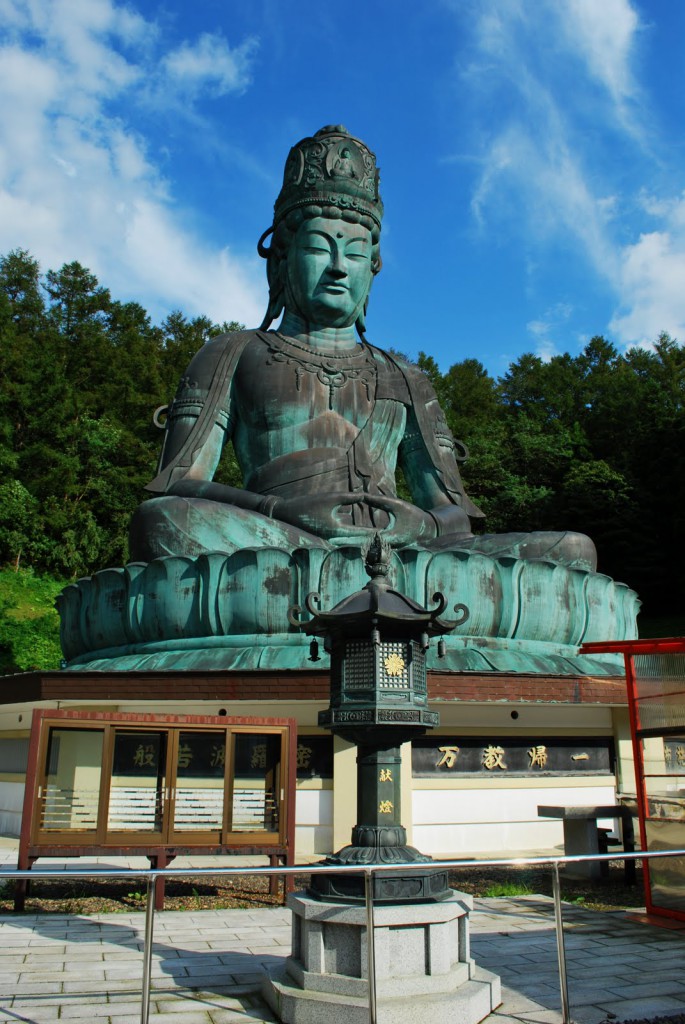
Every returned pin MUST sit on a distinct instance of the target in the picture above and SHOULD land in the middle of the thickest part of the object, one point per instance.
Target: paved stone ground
(207, 965)
(615, 965)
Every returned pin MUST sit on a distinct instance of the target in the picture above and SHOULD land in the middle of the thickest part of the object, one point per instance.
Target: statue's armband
(429, 457)
(418, 464)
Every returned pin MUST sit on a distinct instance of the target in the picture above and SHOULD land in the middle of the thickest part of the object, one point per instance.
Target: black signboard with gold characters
(453, 756)
(138, 753)
(315, 757)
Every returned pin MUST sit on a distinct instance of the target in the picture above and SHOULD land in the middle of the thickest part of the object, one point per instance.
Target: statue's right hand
(326, 515)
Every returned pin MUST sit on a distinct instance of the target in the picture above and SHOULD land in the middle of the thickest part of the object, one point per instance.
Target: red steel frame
(629, 648)
(160, 855)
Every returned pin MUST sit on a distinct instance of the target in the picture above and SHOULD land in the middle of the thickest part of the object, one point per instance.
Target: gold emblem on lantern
(394, 664)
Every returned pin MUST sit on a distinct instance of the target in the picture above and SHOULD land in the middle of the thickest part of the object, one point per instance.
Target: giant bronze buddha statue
(320, 419)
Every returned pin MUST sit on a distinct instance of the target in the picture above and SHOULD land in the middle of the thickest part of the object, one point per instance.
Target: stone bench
(583, 836)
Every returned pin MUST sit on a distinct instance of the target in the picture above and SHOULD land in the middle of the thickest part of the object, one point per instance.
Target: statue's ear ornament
(274, 275)
(261, 248)
(161, 410)
(459, 450)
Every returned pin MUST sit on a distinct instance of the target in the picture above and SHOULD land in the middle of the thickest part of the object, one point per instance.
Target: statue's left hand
(342, 515)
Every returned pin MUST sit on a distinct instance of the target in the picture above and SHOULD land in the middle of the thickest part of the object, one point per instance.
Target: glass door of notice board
(117, 781)
(198, 785)
(137, 802)
(255, 804)
(68, 794)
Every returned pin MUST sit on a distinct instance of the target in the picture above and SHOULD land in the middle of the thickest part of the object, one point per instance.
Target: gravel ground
(611, 893)
(86, 897)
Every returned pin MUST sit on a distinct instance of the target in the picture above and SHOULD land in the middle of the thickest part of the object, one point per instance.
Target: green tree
(29, 623)
(18, 522)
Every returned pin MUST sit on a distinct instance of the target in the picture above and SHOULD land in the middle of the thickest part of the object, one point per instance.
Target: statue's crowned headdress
(331, 168)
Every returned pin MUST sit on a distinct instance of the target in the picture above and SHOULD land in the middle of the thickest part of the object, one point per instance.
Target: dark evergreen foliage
(82, 375)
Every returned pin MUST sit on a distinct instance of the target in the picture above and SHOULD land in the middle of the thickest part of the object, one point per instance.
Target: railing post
(147, 949)
(561, 948)
(370, 944)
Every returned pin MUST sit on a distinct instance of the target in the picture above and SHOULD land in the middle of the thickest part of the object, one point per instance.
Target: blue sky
(531, 154)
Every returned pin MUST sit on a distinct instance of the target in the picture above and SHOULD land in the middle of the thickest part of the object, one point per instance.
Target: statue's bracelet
(438, 525)
(267, 506)
(444, 519)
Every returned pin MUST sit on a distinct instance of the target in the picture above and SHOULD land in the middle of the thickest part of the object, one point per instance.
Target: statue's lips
(334, 289)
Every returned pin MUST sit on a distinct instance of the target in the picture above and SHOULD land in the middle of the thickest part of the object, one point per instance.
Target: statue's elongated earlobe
(276, 294)
(261, 248)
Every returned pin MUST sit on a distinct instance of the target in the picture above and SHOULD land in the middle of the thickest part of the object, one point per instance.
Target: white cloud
(546, 350)
(210, 63)
(175, 265)
(603, 34)
(524, 73)
(668, 208)
(538, 328)
(78, 182)
(652, 280)
(566, 115)
(542, 179)
(542, 330)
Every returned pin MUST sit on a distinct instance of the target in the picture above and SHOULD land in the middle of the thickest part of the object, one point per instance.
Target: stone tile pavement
(207, 965)
(617, 967)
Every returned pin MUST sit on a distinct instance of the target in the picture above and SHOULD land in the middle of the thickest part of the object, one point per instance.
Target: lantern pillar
(377, 640)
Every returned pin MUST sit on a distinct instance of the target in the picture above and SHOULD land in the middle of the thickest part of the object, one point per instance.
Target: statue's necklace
(333, 369)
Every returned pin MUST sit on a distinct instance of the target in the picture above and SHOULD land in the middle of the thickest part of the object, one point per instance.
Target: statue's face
(328, 271)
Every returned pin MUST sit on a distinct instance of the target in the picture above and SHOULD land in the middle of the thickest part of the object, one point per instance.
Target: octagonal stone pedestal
(424, 971)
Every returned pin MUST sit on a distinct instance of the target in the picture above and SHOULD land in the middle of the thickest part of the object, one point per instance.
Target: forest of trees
(594, 442)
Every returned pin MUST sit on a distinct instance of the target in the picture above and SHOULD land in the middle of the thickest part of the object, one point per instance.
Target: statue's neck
(322, 338)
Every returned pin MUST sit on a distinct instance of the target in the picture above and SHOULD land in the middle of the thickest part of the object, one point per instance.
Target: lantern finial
(377, 557)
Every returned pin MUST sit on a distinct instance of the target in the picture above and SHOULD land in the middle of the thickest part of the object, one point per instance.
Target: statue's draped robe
(300, 425)
(305, 423)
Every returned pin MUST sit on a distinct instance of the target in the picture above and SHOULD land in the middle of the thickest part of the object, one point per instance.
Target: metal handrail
(369, 871)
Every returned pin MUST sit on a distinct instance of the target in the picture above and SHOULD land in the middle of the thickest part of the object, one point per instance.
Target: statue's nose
(337, 265)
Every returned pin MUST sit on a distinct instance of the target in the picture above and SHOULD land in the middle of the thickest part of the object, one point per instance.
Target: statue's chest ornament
(331, 369)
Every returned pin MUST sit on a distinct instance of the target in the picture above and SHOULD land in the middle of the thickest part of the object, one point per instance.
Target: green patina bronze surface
(221, 611)
(320, 420)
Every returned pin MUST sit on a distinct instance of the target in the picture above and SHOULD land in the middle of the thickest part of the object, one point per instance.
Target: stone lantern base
(424, 971)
